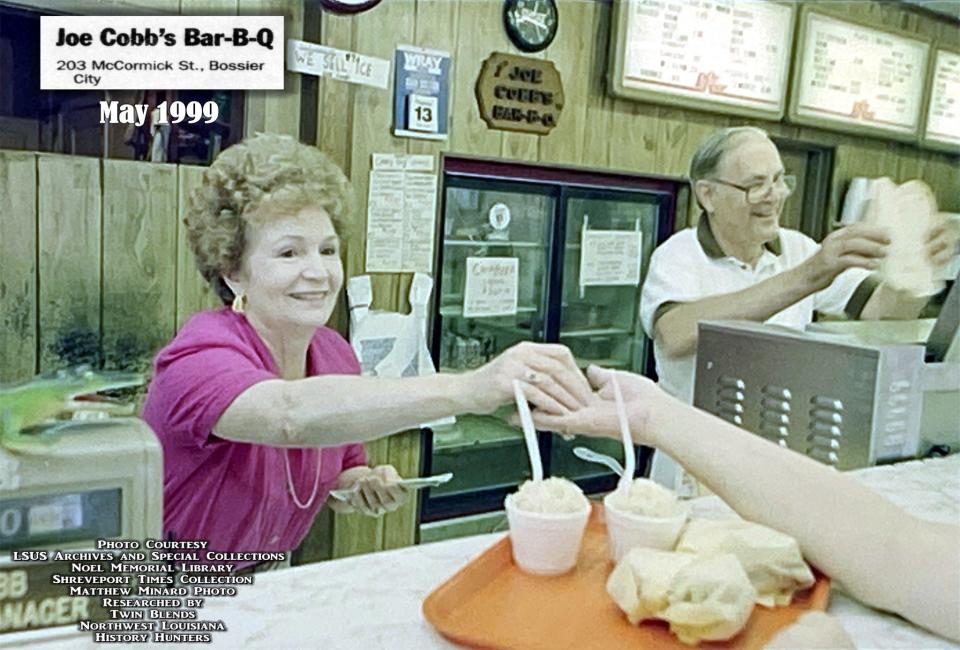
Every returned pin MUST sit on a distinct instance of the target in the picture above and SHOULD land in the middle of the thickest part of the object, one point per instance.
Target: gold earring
(239, 303)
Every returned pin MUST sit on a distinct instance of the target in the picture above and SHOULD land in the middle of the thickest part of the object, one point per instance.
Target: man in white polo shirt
(739, 264)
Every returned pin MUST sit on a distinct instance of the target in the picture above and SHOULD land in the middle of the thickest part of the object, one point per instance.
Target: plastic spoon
(409, 483)
(630, 461)
(529, 433)
(591, 456)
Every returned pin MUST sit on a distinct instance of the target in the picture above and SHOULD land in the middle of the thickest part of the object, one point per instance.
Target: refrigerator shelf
(476, 430)
(603, 331)
(458, 311)
(487, 244)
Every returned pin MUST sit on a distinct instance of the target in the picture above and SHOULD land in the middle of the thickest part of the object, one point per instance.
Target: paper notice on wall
(401, 214)
(610, 257)
(491, 287)
(343, 65)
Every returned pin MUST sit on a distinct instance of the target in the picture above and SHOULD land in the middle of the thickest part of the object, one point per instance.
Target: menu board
(943, 113)
(857, 78)
(730, 56)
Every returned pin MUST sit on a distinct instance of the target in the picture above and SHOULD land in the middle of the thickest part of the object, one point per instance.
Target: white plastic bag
(390, 344)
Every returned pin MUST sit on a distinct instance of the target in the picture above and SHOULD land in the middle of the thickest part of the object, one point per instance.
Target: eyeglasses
(757, 193)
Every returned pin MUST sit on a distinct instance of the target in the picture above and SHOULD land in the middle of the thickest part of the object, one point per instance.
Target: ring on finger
(533, 377)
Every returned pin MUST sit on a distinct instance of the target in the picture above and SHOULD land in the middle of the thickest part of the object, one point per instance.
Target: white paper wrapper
(907, 213)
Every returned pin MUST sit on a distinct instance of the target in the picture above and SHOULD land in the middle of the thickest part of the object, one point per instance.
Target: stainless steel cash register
(850, 394)
(100, 480)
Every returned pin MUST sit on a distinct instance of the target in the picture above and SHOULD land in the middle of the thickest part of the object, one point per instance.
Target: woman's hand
(552, 381)
(599, 417)
(377, 493)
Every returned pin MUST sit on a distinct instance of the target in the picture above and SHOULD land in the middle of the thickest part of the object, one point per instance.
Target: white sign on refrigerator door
(491, 287)
(610, 257)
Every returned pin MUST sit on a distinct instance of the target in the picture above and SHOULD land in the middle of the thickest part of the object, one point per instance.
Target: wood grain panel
(400, 527)
(139, 260)
(69, 210)
(479, 33)
(570, 54)
(336, 97)
(371, 120)
(208, 7)
(18, 272)
(597, 127)
(634, 149)
(275, 111)
(193, 293)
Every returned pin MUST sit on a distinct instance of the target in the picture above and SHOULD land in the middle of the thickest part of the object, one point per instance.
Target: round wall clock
(531, 24)
(348, 6)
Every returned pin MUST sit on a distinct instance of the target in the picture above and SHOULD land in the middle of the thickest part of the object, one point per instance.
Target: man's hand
(856, 246)
(376, 491)
(552, 381)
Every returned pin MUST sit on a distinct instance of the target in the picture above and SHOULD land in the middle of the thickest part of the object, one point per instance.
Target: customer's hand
(941, 242)
(855, 246)
(599, 418)
(552, 382)
(377, 490)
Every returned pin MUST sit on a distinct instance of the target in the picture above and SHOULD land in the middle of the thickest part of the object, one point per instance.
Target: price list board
(726, 56)
(942, 130)
(860, 79)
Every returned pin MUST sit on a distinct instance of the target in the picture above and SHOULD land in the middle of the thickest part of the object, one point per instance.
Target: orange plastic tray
(490, 603)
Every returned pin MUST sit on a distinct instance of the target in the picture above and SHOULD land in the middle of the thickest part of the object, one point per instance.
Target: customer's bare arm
(855, 246)
(334, 409)
(883, 556)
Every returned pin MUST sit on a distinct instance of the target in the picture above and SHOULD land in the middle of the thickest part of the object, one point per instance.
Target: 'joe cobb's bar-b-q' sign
(859, 76)
(517, 93)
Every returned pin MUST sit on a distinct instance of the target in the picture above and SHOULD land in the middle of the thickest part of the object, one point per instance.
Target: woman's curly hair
(254, 181)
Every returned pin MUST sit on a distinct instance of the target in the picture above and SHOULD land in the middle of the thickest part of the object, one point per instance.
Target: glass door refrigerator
(496, 213)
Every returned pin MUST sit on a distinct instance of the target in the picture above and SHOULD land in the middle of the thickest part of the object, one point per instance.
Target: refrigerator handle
(583, 233)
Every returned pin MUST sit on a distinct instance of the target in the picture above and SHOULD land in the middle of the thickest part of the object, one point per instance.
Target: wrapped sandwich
(702, 598)
(772, 560)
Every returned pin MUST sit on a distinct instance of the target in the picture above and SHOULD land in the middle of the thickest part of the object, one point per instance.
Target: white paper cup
(546, 544)
(626, 530)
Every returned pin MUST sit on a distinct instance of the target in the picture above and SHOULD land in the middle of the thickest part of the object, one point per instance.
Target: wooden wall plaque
(518, 93)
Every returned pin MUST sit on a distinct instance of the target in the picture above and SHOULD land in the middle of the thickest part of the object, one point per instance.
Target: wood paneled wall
(94, 247)
(595, 130)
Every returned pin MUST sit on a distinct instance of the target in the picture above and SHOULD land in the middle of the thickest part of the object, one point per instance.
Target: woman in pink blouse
(259, 406)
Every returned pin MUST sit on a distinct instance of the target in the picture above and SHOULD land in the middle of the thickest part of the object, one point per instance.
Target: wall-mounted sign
(517, 93)
(857, 78)
(323, 61)
(728, 56)
(401, 214)
(421, 92)
(943, 114)
(491, 287)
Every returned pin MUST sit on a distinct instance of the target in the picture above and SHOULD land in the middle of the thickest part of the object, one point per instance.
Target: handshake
(563, 400)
